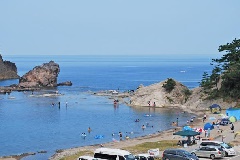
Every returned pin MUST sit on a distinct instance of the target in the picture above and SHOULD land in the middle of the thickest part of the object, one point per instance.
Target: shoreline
(226, 135)
(157, 136)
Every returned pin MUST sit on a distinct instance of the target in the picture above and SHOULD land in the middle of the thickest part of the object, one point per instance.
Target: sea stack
(44, 75)
(8, 70)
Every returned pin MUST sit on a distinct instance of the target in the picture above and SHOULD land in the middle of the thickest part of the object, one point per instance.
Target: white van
(86, 158)
(113, 154)
(229, 151)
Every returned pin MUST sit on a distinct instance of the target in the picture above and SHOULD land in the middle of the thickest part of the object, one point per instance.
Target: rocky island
(8, 70)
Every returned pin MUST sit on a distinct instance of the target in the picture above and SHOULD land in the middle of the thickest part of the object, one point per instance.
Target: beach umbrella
(233, 119)
(208, 126)
(185, 128)
(186, 133)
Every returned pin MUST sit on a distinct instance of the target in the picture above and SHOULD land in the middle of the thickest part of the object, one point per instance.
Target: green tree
(227, 69)
(169, 85)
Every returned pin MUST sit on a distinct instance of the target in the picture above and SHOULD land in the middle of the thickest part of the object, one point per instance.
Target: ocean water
(29, 123)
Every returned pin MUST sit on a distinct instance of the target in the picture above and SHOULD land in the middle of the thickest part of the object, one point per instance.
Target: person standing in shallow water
(89, 130)
(120, 135)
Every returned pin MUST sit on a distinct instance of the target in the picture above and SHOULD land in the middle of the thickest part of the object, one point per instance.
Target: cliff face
(8, 70)
(41, 76)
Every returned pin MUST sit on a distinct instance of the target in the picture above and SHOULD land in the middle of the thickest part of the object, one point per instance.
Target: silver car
(209, 151)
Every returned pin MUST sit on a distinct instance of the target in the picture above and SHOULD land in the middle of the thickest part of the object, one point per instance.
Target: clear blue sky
(94, 27)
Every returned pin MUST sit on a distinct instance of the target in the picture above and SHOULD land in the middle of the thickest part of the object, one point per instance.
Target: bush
(169, 85)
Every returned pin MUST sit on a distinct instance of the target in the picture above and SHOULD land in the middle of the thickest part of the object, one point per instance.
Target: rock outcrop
(155, 95)
(8, 70)
(41, 76)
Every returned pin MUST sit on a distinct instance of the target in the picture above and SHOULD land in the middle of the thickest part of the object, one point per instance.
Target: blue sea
(30, 123)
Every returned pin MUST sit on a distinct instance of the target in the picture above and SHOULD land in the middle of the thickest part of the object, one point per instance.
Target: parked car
(229, 151)
(209, 152)
(86, 158)
(144, 157)
(113, 154)
(178, 154)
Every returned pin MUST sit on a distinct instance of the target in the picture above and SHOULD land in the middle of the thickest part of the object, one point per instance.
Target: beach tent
(208, 125)
(215, 108)
(232, 119)
(233, 112)
(185, 128)
(186, 133)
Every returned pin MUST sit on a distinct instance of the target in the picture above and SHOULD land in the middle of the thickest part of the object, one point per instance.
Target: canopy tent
(208, 126)
(233, 112)
(232, 119)
(215, 108)
(186, 133)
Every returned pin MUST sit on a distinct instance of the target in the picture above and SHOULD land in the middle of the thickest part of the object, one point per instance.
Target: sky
(117, 27)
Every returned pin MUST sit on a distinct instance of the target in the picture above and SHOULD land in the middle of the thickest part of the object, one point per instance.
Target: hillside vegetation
(224, 80)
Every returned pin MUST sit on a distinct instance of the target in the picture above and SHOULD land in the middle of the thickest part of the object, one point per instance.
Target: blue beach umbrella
(208, 126)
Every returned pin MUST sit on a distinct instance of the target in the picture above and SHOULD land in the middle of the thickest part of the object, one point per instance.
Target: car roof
(210, 146)
(213, 142)
(175, 149)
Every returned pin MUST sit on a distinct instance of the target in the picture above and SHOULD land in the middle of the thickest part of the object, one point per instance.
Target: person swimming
(137, 120)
